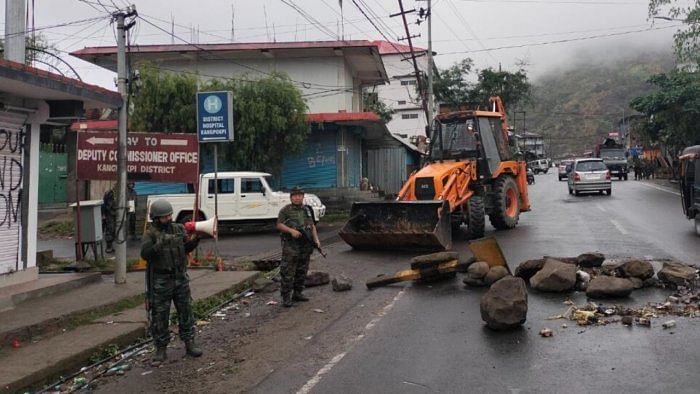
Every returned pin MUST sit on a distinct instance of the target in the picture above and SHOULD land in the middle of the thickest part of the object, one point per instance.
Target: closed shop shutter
(11, 163)
(316, 166)
(386, 168)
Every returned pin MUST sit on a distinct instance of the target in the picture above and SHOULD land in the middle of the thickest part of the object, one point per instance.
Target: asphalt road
(432, 339)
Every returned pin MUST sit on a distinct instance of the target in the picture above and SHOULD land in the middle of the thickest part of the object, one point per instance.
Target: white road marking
(602, 208)
(619, 226)
(335, 360)
(663, 189)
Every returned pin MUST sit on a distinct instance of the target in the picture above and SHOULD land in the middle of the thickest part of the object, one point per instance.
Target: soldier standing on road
(165, 247)
(109, 217)
(298, 230)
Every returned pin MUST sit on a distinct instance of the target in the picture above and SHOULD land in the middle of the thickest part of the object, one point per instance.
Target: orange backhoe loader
(470, 173)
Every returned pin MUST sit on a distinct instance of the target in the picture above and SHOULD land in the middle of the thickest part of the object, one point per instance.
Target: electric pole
(419, 80)
(431, 101)
(122, 209)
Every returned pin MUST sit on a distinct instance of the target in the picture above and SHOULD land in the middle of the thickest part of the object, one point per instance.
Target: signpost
(215, 124)
(158, 157)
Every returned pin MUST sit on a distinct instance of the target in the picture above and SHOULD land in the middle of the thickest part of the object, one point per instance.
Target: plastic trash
(669, 324)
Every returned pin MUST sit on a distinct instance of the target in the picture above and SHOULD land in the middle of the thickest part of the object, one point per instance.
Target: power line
(576, 2)
(72, 23)
(469, 29)
(559, 41)
(311, 19)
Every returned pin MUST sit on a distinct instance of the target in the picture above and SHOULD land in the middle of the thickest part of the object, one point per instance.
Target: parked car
(563, 168)
(244, 198)
(539, 166)
(589, 175)
(690, 184)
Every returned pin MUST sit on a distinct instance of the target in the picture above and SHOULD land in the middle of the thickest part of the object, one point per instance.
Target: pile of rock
(587, 273)
(480, 273)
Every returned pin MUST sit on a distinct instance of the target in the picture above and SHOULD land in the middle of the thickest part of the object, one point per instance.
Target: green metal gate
(53, 175)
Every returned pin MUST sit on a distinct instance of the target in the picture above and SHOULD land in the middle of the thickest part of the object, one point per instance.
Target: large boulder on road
(527, 269)
(495, 274)
(478, 270)
(636, 269)
(677, 274)
(605, 286)
(317, 278)
(589, 260)
(504, 306)
(555, 276)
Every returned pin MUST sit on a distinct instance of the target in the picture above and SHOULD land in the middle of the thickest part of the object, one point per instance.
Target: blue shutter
(316, 166)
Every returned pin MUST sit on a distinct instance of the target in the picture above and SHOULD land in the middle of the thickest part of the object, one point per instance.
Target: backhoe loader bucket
(400, 225)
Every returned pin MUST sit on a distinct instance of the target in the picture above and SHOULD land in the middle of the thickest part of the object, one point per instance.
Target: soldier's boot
(299, 297)
(287, 300)
(192, 349)
(160, 356)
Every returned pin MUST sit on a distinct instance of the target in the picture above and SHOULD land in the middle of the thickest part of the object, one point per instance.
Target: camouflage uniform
(296, 252)
(109, 218)
(165, 250)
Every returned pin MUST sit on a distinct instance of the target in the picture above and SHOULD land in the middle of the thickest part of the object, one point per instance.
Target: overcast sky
(479, 29)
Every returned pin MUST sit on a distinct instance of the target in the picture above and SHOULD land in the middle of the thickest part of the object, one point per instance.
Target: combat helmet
(160, 208)
(296, 190)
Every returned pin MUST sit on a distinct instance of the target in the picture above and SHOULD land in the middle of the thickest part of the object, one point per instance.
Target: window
(409, 116)
(226, 186)
(251, 185)
(408, 82)
(402, 102)
(590, 166)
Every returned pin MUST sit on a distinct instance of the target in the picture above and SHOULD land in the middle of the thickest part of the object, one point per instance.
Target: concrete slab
(37, 363)
(43, 316)
(45, 285)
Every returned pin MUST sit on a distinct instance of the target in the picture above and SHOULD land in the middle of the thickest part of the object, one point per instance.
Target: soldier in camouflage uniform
(109, 217)
(296, 248)
(165, 247)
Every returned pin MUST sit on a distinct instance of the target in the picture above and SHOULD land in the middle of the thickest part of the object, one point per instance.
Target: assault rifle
(306, 236)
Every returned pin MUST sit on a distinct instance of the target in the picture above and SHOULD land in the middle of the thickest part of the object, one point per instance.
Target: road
(408, 338)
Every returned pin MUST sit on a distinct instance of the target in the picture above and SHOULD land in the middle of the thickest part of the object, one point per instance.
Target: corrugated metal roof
(252, 46)
(388, 48)
(342, 117)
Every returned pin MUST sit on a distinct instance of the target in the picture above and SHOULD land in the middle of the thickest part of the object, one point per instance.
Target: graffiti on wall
(11, 159)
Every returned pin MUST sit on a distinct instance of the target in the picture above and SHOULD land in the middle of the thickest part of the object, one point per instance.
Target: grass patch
(89, 317)
(104, 352)
(57, 228)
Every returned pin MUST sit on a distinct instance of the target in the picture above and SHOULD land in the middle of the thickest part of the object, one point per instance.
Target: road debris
(669, 324)
(555, 276)
(319, 311)
(426, 268)
(341, 283)
(317, 278)
(272, 302)
(504, 306)
(677, 274)
(546, 332)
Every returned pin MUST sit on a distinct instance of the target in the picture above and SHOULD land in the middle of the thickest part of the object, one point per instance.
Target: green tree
(163, 102)
(513, 88)
(371, 103)
(269, 115)
(269, 122)
(36, 48)
(687, 38)
(673, 111)
(451, 86)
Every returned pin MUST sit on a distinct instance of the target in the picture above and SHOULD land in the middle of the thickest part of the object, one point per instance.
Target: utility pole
(419, 80)
(120, 266)
(431, 100)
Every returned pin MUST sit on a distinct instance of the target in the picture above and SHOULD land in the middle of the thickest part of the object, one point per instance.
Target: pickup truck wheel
(476, 222)
(506, 203)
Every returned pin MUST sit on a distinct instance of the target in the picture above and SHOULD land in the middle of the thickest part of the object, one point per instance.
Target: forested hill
(575, 106)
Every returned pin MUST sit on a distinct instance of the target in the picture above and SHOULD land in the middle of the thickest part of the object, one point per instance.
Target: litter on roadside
(669, 324)
(546, 332)
(319, 311)
(272, 302)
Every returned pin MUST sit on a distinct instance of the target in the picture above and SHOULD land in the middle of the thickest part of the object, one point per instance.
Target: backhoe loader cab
(469, 174)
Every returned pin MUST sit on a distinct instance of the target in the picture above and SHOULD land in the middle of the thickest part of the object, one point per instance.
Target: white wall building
(330, 74)
(401, 93)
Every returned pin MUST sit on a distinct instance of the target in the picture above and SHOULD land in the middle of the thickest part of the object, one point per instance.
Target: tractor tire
(476, 221)
(506, 203)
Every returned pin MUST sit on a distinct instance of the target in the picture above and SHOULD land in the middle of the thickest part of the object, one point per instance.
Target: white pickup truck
(244, 198)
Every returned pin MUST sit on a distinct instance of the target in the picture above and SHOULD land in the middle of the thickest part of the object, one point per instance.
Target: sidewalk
(59, 333)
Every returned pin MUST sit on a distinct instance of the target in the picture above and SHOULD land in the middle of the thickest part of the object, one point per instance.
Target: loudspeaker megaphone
(209, 227)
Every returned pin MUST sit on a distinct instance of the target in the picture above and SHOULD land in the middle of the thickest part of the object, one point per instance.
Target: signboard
(214, 116)
(157, 157)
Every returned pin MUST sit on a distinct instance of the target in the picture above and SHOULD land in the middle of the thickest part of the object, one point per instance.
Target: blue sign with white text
(214, 116)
